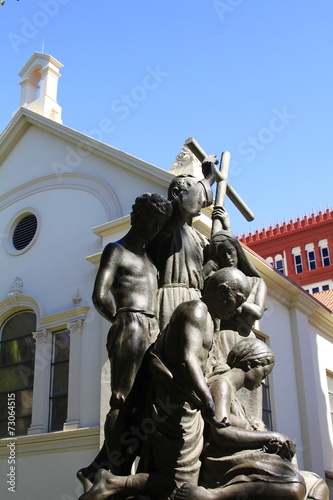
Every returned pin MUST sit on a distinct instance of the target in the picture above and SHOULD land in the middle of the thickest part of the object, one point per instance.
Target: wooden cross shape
(223, 187)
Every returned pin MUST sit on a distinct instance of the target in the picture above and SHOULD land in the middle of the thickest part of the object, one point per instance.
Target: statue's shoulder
(192, 311)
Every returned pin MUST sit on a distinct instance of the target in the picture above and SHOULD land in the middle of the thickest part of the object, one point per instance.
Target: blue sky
(254, 77)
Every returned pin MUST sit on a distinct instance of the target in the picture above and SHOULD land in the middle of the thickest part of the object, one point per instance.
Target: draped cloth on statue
(174, 448)
(179, 259)
(246, 466)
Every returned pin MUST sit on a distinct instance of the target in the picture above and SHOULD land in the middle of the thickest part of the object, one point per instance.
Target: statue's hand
(208, 413)
(281, 445)
(209, 268)
(288, 450)
(208, 167)
(220, 213)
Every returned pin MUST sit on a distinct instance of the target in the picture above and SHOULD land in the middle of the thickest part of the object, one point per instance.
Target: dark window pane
(23, 410)
(60, 379)
(17, 350)
(326, 287)
(279, 266)
(298, 264)
(22, 425)
(20, 325)
(3, 429)
(61, 346)
(325, 256)
(312, 260)
(17, 376)
(17, 354)
(58, 413)
(24, 403)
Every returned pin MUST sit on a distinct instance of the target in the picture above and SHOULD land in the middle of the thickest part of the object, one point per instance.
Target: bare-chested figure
(128, 275)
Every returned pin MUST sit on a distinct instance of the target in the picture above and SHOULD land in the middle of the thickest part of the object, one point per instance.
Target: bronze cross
(223, 187)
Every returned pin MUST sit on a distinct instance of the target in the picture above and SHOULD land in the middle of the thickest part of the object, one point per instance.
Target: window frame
(298, 265)
(267, 413)
(312, 263)
(23, 369)
(55, 363)
(325, 257)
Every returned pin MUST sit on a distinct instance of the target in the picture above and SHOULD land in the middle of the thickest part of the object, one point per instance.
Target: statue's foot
(191, 492)
(86, 478)
(87, 475)
(106, 485)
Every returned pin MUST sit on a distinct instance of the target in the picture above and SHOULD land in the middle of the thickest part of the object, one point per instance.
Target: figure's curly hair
(148, 205)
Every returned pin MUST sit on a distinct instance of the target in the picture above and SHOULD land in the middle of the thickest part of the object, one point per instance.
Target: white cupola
(39, 85)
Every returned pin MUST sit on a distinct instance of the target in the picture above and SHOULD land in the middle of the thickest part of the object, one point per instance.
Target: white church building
(63, 197)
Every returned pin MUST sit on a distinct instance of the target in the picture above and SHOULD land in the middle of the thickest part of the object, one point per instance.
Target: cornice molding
(109, 228)
(25, 118)
(63, 318)
(82, 182)
(54, 442)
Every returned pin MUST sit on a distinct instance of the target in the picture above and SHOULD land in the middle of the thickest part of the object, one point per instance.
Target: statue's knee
(117, 400)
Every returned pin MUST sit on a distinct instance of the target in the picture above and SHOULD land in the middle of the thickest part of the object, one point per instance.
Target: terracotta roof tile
(325, 298)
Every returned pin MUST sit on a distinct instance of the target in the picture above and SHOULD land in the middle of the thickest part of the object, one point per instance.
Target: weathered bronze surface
(186, 367)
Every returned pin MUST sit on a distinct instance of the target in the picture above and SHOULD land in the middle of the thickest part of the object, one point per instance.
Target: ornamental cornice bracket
(15, 290)
(75, 327)
(41, 336)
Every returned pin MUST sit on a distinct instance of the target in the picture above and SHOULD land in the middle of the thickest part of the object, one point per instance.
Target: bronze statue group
(186, 367)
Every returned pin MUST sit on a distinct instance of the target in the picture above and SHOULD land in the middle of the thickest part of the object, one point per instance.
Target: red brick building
(301, 249)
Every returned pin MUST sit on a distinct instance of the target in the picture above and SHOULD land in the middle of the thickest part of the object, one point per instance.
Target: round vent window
(24, 232)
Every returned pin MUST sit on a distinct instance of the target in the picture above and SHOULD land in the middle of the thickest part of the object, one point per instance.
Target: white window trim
(11, 226)
(309, 247)
(270, 261)
(323, 243)
(72, 320)
(296, 251)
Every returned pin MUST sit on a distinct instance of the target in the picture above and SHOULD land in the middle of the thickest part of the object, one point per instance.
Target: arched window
(17, 360)
(296, 251)
(279, 263)
(310, 252)
(270, 261)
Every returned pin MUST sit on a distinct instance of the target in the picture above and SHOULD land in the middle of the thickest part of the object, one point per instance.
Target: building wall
(299, 332)
(283, 240)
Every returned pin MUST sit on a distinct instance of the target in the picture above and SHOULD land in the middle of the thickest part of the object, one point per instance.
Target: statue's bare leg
(108, 485)
(263, 491)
